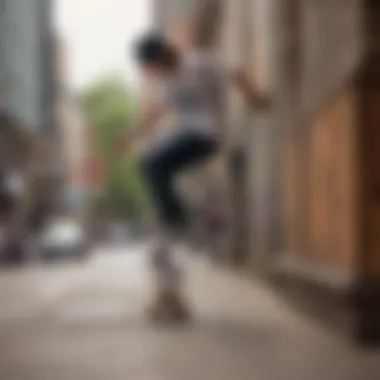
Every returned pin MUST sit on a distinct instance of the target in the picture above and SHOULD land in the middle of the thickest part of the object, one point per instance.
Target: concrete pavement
(84, 322)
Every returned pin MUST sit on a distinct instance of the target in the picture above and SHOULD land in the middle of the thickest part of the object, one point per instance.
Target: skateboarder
(191, 86)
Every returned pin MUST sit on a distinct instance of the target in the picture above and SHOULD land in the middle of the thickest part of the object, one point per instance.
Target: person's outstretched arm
(151, 111)
(143, 129)
(254, 97)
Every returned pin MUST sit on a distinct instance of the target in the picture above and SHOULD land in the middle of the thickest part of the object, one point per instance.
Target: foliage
(110, 107)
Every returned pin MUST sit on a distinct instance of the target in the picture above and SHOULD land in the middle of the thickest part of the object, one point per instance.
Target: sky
(97, 34)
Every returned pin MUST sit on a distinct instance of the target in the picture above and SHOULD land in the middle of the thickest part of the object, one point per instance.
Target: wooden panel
(332, 193)
(344, 201)
(320, 203)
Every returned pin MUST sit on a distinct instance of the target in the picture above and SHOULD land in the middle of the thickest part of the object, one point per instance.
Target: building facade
(27, 87)
(25, 65)
(304, 181)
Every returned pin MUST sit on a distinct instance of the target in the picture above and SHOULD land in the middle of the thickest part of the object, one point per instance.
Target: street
(85, 321)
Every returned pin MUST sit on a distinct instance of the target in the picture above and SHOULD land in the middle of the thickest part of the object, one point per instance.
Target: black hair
(153, 47)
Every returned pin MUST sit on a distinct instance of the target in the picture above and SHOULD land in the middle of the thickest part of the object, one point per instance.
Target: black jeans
(164, 161)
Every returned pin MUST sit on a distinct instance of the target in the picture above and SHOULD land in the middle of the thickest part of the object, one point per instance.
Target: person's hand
(262, 101)
(254, 96)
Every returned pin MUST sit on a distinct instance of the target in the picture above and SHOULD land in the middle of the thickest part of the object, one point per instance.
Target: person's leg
(160, 167)
(167, 304)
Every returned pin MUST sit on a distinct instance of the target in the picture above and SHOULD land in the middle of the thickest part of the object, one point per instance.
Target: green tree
(111, 108)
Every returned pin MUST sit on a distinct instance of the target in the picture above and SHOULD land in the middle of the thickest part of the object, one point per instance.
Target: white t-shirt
(196, 93)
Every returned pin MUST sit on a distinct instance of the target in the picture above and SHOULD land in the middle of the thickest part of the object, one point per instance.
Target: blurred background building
(43, 141)
(303, 178)
(27, 70)
(27, 83)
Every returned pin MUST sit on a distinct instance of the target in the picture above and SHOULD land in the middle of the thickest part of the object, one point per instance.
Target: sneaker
(168, 308)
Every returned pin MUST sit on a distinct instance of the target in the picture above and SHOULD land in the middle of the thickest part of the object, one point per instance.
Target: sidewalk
(85, 322)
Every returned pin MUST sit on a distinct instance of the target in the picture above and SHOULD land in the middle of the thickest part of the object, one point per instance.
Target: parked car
(64, 238)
